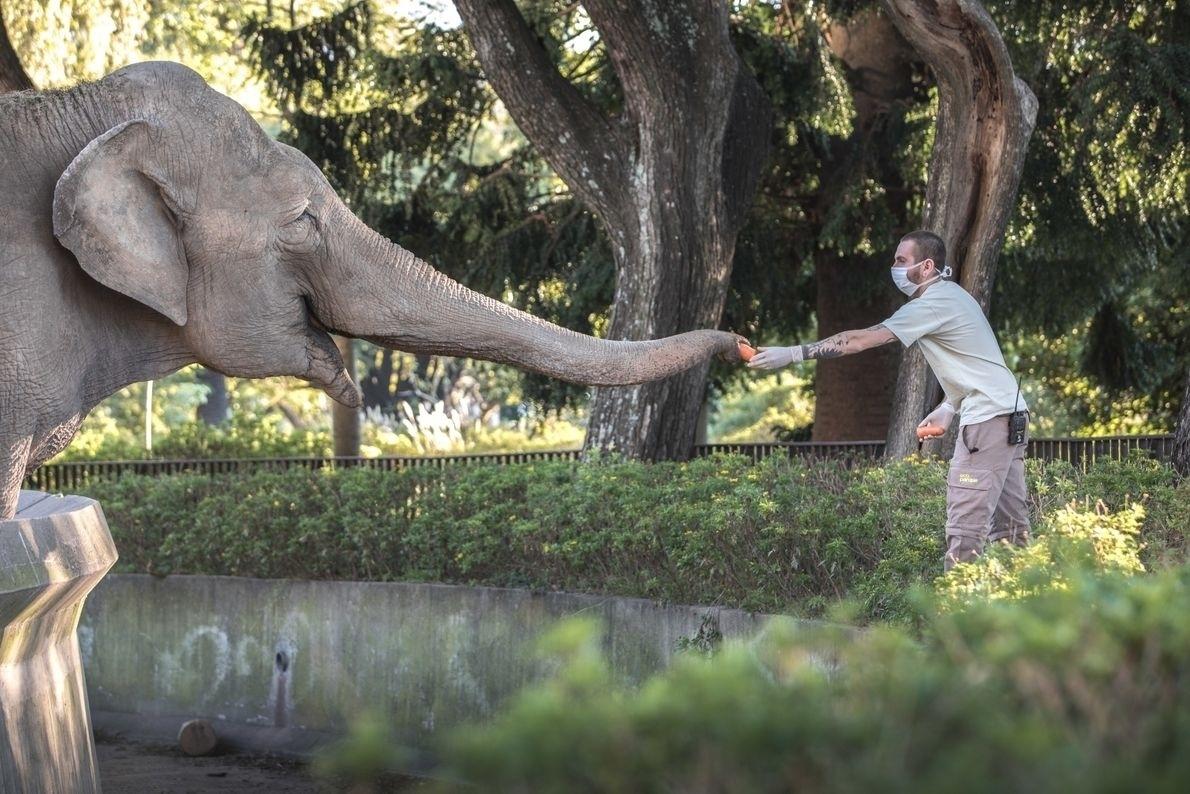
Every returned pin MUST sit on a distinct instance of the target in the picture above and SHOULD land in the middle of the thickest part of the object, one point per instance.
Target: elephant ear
(116, 214)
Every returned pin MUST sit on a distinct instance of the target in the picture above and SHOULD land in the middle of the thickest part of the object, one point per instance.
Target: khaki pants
(985, 495)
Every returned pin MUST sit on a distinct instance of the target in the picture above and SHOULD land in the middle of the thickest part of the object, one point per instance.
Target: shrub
(247, 435)
(243, 436)
(1073, 689)
(782, 535)
(1071, 539)
(1117, 484)
(361, 759)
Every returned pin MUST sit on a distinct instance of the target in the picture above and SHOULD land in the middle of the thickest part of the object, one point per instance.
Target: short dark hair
(928, 246)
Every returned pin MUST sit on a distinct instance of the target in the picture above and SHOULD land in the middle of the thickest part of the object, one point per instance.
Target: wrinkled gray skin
(147, 222)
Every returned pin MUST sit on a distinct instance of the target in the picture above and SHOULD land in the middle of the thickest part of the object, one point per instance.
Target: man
(985, 497)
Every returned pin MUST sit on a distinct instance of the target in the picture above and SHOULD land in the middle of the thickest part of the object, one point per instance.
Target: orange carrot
(930, 431)
(746, 350)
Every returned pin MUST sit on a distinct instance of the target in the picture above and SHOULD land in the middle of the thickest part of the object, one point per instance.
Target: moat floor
(127, 767)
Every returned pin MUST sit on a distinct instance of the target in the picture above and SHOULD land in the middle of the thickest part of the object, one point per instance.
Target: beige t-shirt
(960, 347)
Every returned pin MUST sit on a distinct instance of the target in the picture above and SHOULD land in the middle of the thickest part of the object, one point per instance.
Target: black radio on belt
(1018, 421)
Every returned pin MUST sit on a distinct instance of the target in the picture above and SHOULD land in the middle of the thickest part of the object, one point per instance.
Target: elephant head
(189, 208)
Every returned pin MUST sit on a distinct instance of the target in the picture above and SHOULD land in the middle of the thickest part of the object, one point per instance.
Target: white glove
(939, 417)
(777, 357)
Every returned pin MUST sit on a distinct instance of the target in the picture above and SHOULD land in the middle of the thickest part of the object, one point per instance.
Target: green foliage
(367, 752)
(776, 407)
(782, 535)
(1104, 189)
(1121, 143)
(1075, 689)
(241, 437)
(1165, 500)
(1073, 539)
(103, 437)
(273, 417)
(438, 433)
(1066, 402)
(277, 418)
(706, 641)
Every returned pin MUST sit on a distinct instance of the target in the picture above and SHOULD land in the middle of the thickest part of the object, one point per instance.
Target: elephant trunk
(380, 292)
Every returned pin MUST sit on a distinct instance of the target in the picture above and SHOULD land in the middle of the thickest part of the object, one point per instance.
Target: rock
(197, 737)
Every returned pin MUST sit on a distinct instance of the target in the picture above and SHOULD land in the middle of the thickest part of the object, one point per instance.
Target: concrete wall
(284, 665)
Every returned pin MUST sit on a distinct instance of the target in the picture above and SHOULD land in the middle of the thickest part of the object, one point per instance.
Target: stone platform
(52, 554)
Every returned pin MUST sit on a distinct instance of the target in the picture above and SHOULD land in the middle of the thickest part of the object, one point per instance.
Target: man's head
(923, 254)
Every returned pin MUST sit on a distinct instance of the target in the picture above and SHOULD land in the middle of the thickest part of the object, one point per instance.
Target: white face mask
(900, 277)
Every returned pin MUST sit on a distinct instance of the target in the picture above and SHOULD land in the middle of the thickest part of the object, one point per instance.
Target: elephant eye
(305, 217)
(301, 232)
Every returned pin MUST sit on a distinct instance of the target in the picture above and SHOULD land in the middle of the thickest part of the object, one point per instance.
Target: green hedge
(1054, 667)
(777, 536)
(1079, 688)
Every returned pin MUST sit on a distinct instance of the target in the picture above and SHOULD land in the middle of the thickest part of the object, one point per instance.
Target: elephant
(149, 223)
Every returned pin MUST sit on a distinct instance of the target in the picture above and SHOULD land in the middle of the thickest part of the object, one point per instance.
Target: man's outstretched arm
(841, 344)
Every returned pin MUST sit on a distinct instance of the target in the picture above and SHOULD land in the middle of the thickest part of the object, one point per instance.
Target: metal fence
(1080, 452)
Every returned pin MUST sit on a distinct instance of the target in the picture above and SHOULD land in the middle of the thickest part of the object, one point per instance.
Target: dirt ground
(127, 767)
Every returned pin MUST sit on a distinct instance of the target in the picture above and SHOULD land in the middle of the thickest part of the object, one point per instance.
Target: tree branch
(646, 38)
(581, 144)
(680, 71)
(985, 119)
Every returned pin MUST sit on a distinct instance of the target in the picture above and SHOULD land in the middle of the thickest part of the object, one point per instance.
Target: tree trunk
(377, 383)
(704, 421)
(1181, 436)
(12, 74)
(853, 395)
(345, 422)
(985, 118)
(217, 407)
(671, 178)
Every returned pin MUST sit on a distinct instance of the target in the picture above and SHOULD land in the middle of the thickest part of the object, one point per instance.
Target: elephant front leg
(14, 454)
(58, 440)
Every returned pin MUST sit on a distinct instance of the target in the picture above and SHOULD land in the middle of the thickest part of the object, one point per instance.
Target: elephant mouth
(315, 322)
(324, 362)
